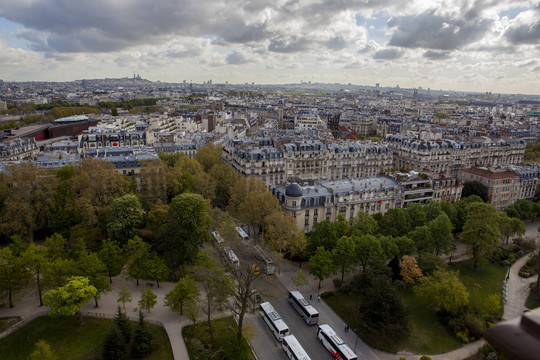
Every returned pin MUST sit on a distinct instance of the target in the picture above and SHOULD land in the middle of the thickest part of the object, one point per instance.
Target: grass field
(425, 333)
(70, 340)
(198, 341)
(6, 322)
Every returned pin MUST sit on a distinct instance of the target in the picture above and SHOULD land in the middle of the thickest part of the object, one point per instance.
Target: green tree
(257, 207)
(522, 209)
(35, 259)
(475, 188)
(299, 279)
(114, 346)
(209, 156)
(215, 285)
(43, 351)
(156, 268)
(188, 224)
(91, 267)
(138, 253)
(481, 232)
(68, 300)
(363, 224)
(510, 226)
(148, 299)
(124, 296)
(323, 234)
(444, 291)
(440, 230)
(111, 255)
(461, 208)
(183, 292)
(417, 215)
(142, 339)
(368, 250)
(395, 222)
(123, 324)
(13, 275)
(345, 255)
(321, 265)
(405, 245)
(281, 233)
(125, 215)
(224, 177)
(423, 240)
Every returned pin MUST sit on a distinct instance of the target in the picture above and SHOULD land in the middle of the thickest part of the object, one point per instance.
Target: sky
(467, 45)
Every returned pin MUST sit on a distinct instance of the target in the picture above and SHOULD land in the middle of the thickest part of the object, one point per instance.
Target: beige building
(275, 161)
(446, 157)
(503, 185)
(328, 199)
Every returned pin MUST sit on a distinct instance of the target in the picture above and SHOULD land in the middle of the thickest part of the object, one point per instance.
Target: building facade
(503, 185)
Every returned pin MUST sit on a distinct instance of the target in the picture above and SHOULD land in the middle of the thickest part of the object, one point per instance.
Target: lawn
(425, 333)
(6, 322)
(70, 340)
(198, 341)
(487, 279)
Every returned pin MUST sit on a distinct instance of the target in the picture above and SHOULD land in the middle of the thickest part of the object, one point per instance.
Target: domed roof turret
(294, 190)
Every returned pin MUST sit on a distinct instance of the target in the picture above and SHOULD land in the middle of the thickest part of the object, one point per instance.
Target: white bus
(306, 311)
(243, 235)
(274, 321)
(268, 263)
(217, 237)
(293, 349)
(333, 343)
(233, 259)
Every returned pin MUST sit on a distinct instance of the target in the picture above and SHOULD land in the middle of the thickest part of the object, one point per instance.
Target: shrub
(346, 288)
(337, 283)
(430, 263)
(525, 243)
(327, 294)
(466, 325)
(425, 357)
(529, 268)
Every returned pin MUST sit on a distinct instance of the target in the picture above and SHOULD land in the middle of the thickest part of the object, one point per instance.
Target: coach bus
(306, 311)
(268, 263)
(217, 237)
(274, 321)
(243, 235)
(233, 259)
(333, 343)
(293, 349)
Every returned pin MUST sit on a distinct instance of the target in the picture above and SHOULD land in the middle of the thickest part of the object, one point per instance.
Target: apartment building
(503, 185)
(275, 160)
(16, 149)
(326, 200)
(446, 156)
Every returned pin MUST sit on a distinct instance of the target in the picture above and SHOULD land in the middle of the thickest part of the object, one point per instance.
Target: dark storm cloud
(436, 55)
(430, 31)
(388, 54)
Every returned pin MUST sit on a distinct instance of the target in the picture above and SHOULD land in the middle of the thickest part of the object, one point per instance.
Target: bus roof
(274, 316)
(343, 347)
(309, 308)
(297, 348)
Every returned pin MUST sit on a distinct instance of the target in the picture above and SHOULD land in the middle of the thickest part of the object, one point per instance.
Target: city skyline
(483, 46)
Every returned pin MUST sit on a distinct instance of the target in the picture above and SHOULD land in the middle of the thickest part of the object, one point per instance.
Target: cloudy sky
(474, 45)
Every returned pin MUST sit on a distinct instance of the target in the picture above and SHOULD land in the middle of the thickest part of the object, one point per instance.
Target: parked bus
(233, 259)
(217, 237)
(268, 263)
(293, 349)
(243, 235)
(274, 321)
(333, 343)
(306, 311)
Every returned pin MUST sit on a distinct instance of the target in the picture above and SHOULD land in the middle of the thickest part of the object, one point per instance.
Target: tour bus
(306, 311)
(217, 237)
(268, 263)
(333, 343)
(274, 321)
(293, 349)
(233, 259)
(243, 235)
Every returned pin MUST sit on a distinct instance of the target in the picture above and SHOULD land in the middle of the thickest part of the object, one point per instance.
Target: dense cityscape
(377, 213)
